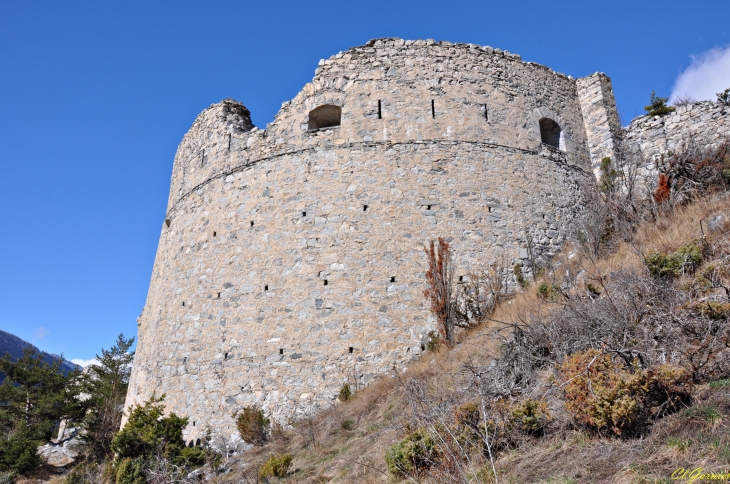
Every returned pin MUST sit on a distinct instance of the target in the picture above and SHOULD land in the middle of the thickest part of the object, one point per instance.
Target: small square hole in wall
(251, 223)
(461, 278)
(219, 295)
(266, 287)
(193, 424)
(364, 208)
(350, 349)
(304, 214)
(392, 278)
(423, 347)
(281, 351)
(325, 282)
(543, 216)
(428, 207)
(225, 357)
(214, 234)
(489, 209)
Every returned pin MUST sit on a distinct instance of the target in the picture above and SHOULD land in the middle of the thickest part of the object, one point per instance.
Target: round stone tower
(291, 259)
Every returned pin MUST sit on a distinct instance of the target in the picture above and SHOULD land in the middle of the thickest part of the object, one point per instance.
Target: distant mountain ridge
(9, 343)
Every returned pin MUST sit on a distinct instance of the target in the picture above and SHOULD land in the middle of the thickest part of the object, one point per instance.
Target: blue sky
(96, 96)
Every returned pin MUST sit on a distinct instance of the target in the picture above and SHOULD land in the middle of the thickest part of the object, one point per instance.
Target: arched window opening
(326, 116)
(550, 132)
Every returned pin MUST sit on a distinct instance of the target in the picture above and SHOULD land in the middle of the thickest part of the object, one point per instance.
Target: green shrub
(148, 433)
(131, 471)
(724, 97)
(608, 176)
(684, 260)
(519, 276)
(191, 456)
(530, 416)
(720, 384)
(711, 310)
(253, 425)
(680, 444)
(345, 393)
(18, 451)
(416, 452)
(276, 466)
(8, 477)
(434, 342)
(347, 424)
(658, 106)
(549, 292)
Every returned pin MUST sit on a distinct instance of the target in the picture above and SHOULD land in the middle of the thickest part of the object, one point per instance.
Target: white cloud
(708, 74)
(41, 332)
(85, 363)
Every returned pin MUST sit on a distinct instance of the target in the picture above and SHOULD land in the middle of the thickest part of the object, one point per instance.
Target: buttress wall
(292, 261)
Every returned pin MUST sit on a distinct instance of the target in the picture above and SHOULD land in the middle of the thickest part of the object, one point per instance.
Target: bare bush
(693, 170)
(480, 293)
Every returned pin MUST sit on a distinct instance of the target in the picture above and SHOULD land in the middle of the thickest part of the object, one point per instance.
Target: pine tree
(106, 384)
(35, 396)
(658, 106)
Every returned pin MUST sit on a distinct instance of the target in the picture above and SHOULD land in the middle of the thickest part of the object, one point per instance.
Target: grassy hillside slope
(348, 443)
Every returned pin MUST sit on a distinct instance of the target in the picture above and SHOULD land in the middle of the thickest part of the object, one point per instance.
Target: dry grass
(347, 443)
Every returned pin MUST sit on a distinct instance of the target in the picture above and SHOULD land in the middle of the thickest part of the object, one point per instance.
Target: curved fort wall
(291, 260)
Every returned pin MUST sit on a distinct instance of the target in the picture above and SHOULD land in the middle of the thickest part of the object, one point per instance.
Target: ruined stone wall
(291, 261)
(706, 122)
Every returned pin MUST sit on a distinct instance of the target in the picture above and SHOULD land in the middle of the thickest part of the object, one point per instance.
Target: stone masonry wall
(603, 128)
(291, 261)
(708, 123)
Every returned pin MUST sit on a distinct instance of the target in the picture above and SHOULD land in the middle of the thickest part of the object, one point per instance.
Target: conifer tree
(35, 396)
(658, 106)
(105, 384)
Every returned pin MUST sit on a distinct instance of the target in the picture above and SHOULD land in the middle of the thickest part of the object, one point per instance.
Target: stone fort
(291, 259)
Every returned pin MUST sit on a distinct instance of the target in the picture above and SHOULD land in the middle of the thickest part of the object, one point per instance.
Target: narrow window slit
(219, 295)
(183, 303)
(229, 141)
(349, 350)
(364, 208)
(486, 113)
(251, 223)
(266, 287)
(489, 209)
(225, 357)
(461, 278)
(433, 109)
(281, 351)
(380, 111)
(325, 282)
(214, 234)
